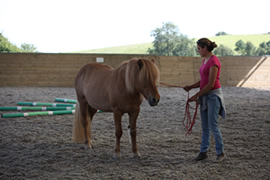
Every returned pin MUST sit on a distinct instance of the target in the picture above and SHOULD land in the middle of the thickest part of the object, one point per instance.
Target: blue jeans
(209, 118)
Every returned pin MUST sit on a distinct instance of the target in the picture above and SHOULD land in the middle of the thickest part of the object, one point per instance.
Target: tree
(267, 48)
(221, 34)
(164, 42)
(223, 51)
(245, 49)
(240, 47)
(250, 49)
(185, 47)
(169, 42)
(6, 46)
(263, 49)
(28, 47)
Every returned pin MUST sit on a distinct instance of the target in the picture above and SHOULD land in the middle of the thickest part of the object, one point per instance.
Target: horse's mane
(140, 71)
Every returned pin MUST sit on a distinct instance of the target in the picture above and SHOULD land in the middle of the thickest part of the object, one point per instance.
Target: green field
(228, 40)
(128, 49)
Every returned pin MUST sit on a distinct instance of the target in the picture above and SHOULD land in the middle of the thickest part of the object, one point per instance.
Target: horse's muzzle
(153, 101)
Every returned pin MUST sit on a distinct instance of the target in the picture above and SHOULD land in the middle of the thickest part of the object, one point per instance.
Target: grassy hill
(128, 49)
(228, 40)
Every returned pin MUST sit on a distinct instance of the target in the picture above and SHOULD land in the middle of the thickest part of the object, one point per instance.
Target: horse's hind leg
(86, 121)
(118, 132)
(89, 115)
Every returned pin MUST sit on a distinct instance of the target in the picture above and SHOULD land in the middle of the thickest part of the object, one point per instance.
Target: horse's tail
(78, 134)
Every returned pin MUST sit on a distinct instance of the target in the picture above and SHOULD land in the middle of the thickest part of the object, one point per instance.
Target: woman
(211, 99)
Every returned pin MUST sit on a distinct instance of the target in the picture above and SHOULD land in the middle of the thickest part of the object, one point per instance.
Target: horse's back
(89, 70)
(90, 74)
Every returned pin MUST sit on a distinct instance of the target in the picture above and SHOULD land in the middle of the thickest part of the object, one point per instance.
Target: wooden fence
(59, 70)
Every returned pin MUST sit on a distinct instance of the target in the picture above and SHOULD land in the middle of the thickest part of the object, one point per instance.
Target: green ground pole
(45, 104)
(41, 113)
(23, 108)
(66, 100)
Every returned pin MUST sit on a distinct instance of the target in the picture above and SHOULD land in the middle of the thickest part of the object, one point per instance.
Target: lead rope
(188, 121)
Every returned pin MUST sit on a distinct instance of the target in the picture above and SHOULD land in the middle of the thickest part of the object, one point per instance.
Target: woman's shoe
(220, 158)
(201, 156)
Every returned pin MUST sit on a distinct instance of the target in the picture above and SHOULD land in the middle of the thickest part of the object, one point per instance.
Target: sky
(55, 26)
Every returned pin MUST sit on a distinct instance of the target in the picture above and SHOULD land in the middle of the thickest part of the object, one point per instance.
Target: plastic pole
(66, 100)
(23, 108)
(45, 104)
(42, 113)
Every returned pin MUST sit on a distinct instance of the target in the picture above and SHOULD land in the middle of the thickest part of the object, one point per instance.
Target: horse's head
(142, 76)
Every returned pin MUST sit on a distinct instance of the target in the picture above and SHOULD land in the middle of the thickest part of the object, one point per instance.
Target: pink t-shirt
(205, 71)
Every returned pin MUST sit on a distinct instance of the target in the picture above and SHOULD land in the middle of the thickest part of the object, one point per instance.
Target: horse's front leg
(133, 132)
(118, 132)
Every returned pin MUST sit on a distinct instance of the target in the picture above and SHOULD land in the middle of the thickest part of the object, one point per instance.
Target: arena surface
(40, 147)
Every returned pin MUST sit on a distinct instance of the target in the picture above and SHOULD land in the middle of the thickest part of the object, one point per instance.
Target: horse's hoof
(117, 156)
(137, 155)
(89, 145)
(86, 147)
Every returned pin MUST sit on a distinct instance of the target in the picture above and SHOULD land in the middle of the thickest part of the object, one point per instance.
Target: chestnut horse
(120, 90)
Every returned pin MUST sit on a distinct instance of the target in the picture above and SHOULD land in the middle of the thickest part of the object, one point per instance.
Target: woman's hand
(187, 88)
(193, 98)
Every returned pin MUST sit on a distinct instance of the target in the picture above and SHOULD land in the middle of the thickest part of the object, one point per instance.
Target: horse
(120, 90)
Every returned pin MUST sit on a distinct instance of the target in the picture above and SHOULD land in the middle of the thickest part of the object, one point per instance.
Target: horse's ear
(140, 63)
(153, 60)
